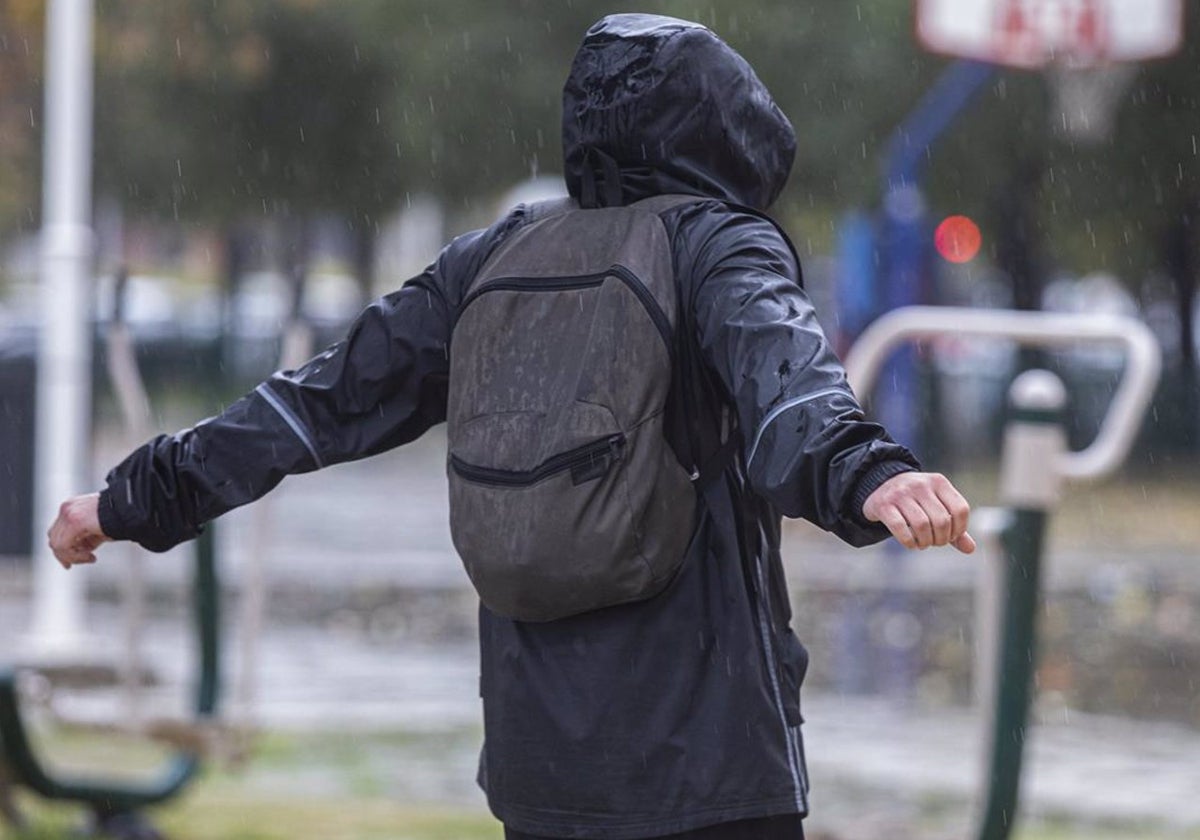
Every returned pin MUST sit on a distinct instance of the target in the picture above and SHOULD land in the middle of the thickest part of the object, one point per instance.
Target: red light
(957, 239)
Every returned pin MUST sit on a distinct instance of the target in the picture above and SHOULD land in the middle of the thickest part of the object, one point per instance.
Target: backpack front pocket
(551, 541)
(585, 463)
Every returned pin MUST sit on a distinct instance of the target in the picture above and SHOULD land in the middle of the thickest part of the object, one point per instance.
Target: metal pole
(904, 280)
(1036, 463)
(64, 355)
(1030, 484)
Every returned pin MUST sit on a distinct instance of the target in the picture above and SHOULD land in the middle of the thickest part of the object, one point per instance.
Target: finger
(965, 543)
(74, 550)
(960, 509)
(918, 522)
(92, 541)
(61, 549)
(63, 533)
(55, 535)
(68, 557)
(940, 520)
(891, 517)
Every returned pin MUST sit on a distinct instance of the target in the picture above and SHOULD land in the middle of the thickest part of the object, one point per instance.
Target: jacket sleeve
(808, 448)
(382, 385)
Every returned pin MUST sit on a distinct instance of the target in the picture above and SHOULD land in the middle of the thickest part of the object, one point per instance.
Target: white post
(64, 353)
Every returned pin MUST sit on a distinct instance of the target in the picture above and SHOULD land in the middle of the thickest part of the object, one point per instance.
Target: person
(678, 715)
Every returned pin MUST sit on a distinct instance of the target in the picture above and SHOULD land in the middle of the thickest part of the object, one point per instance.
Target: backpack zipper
(583, 281)
(581, 461)
(535, 284)
(649, 303)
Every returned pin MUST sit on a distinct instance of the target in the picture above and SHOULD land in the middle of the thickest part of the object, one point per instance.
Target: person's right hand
(921, 510)
(75, 534)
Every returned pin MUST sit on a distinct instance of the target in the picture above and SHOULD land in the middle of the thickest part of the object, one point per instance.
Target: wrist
(107, 516)
(872, 480)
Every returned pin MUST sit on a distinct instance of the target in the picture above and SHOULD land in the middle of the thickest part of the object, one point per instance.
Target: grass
(217, 811)
(1073, 831)
(321, 784)
(340, 786)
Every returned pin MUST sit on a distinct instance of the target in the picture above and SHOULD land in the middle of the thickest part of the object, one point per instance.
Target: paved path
(868, 756)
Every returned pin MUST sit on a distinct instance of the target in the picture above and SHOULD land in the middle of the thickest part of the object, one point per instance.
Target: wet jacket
(679, 711)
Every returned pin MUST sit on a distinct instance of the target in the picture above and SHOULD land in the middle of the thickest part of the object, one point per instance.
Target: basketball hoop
(1036, 33)
(1088, 48)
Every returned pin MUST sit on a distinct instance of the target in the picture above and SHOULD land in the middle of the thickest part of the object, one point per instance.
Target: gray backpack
(565, 496)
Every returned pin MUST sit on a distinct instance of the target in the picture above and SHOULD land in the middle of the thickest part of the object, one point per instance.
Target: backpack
(565, 495)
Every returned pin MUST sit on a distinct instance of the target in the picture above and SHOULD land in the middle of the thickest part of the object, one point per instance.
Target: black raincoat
(683, 710)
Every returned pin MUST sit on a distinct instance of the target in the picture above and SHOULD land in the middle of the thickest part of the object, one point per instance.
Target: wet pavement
(370, 629)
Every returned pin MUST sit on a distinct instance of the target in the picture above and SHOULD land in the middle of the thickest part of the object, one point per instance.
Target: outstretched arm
(384, 384)
(809, 449)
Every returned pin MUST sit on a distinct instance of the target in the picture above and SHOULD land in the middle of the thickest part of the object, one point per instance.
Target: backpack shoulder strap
(662, 203)
(535, 211)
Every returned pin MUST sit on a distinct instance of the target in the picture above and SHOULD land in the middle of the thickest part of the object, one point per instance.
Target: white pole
(64, 353)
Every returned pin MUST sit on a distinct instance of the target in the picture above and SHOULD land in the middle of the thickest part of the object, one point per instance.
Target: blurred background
(261, 170)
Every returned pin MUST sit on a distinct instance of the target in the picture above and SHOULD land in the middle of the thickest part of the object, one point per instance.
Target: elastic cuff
(110, 522)
(872, 479)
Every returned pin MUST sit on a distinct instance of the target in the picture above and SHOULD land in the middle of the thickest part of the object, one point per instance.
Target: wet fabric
(676, 110)
(681, 711)
(565, 496)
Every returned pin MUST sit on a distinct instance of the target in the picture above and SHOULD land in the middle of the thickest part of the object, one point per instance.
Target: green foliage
(20, 113)
(211, 111)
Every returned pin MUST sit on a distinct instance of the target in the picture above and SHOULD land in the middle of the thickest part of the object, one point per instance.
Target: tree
(235, 112)
(21, 36)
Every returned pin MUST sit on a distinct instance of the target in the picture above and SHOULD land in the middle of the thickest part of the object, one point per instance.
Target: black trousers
(785, 827)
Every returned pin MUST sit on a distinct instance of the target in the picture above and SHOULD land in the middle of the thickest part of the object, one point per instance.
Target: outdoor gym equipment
(114, 807)
(1035, 461)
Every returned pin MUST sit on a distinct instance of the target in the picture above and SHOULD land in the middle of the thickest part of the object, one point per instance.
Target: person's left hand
(921, 510)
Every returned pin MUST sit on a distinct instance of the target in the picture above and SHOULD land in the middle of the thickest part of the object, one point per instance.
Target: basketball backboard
(1035, 33)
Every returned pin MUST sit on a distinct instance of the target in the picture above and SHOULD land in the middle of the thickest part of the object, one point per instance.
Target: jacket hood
(658, 105)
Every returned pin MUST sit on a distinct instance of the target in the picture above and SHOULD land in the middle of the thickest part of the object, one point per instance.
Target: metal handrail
(1035, 461)
(1041, 329)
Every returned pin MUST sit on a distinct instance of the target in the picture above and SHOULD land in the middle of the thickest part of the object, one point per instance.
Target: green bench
(114, 807)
